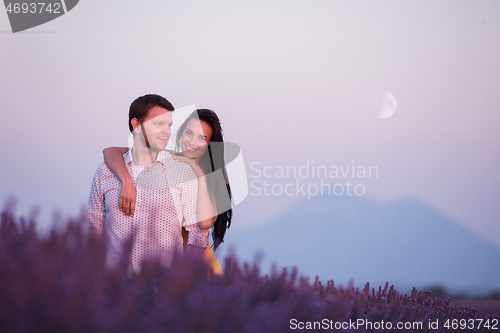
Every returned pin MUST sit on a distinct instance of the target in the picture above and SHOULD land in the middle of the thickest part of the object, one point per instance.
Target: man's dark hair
(140, 107)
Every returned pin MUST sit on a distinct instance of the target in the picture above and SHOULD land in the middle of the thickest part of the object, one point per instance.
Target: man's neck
(143, 155)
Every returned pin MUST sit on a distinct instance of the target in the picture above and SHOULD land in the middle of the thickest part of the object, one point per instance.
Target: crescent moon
(388, 107)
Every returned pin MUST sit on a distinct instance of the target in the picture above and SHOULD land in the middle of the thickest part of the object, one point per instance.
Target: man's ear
(135, 125)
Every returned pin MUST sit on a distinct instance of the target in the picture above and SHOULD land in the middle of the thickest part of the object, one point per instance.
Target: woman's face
(195, 139)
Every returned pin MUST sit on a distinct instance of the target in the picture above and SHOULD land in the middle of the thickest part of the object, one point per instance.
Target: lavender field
(59, 283)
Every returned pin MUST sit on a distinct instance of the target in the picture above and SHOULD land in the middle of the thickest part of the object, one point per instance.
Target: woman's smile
(195, 139)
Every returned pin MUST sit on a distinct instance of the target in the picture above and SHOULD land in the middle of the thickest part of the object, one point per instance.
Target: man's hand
(195, 251)
(128, 195)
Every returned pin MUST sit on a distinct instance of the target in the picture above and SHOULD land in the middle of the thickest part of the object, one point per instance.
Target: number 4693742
(471, 324)
(34, 8)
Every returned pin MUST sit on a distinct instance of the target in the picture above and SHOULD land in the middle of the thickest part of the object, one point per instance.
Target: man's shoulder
(104, 171)
(179, 168)
(169, 160)
(102, 167)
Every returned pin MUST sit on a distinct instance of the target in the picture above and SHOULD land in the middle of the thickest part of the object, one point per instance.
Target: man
(166, 193)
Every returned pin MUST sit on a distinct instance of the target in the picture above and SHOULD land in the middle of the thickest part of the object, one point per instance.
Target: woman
(200, 138)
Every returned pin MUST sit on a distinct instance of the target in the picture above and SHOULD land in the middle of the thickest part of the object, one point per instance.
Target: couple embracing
(165, 201)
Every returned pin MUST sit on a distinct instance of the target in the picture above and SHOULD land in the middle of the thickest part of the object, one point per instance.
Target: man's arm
(197, 236)
(206, 208)
(96, 210)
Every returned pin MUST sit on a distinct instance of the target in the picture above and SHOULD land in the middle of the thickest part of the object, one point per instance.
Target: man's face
(157, 127)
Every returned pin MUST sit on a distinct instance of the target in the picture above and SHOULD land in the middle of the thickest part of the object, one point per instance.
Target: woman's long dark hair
(210, 162)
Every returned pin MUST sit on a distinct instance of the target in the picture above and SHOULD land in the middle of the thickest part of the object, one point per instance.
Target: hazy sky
(294, 82)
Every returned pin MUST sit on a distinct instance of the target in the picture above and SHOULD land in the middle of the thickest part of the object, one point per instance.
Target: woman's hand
(113, 157)
(195, 251)
(196, 168)
(128, 194)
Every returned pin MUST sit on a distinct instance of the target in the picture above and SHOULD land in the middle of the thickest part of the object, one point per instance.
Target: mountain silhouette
(343, 238)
